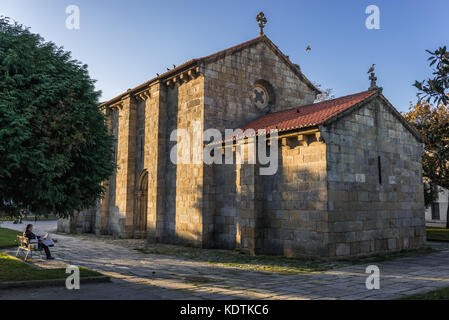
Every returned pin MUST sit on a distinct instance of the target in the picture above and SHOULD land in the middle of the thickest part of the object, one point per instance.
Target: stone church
(349, 181)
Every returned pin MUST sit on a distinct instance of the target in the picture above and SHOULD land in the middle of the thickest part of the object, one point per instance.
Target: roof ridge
(231, 48)
(180, 67)
(196, 60)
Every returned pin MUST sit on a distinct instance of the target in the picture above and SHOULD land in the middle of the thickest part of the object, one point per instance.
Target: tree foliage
(433, 124)
(55, 149)
(326, 94)
(437, 87)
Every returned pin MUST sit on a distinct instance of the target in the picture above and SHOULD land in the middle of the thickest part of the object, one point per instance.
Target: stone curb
(51, 283)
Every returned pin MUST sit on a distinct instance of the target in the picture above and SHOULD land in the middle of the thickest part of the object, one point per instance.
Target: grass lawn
(268, 263)
(440, 294)
(259, 263)
(8, 237)
(437, 234)
(13, 269)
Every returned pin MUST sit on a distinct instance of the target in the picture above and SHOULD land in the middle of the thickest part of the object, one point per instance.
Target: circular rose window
(260, 96)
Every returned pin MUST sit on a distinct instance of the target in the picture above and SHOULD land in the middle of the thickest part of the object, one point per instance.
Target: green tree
(436, 88)
(433, 124)
(55, 149)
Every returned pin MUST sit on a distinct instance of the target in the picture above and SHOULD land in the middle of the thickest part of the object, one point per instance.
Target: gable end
(270, 45)
(390, 107)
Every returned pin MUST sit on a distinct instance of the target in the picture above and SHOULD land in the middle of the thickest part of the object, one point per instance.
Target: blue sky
(126, 43)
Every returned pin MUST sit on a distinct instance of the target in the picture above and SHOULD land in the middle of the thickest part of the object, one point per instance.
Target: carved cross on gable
(262, 21)
(373, 79)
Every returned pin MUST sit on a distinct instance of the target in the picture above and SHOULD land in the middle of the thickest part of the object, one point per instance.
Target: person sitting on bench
(30, 235)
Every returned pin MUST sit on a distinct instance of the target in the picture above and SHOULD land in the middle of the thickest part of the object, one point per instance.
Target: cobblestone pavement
(148, 276)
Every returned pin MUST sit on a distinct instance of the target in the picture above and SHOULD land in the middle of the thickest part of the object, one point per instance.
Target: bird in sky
(168, 69)
(157, 74)
(371, 69)
(308, 48)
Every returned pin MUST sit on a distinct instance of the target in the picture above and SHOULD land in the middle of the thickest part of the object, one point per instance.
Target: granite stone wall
(350, 188)
(375, 188)
(227, 105)
(284, 213)
(229, 81)
(225, 213)
(188, 100)
(295, 199)
(80, 222)
(155, 162)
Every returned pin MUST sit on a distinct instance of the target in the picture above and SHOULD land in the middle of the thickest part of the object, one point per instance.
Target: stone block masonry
(347, 187)
(374, 183)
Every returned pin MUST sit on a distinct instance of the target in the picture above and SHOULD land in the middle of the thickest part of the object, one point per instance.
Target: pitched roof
(312, 115)
(304, 116)
(211, 57)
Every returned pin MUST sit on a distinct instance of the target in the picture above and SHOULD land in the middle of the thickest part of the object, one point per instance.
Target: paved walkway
(147, 276)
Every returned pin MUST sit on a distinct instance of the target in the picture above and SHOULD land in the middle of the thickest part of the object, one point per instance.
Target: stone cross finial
(373, 79)
(262, 21)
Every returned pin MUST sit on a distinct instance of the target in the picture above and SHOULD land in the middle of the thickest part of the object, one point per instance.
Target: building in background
(436, 213)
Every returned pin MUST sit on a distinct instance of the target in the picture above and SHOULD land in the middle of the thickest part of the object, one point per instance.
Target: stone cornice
(183, 77)
(192, 64)
(143, 95)
(118, 105)
(143, 91)
(124, 102)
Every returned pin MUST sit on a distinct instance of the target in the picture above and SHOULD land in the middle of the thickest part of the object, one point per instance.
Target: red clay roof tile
(304, 116)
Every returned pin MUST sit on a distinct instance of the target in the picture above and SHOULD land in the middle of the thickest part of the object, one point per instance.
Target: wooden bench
(29, 247)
